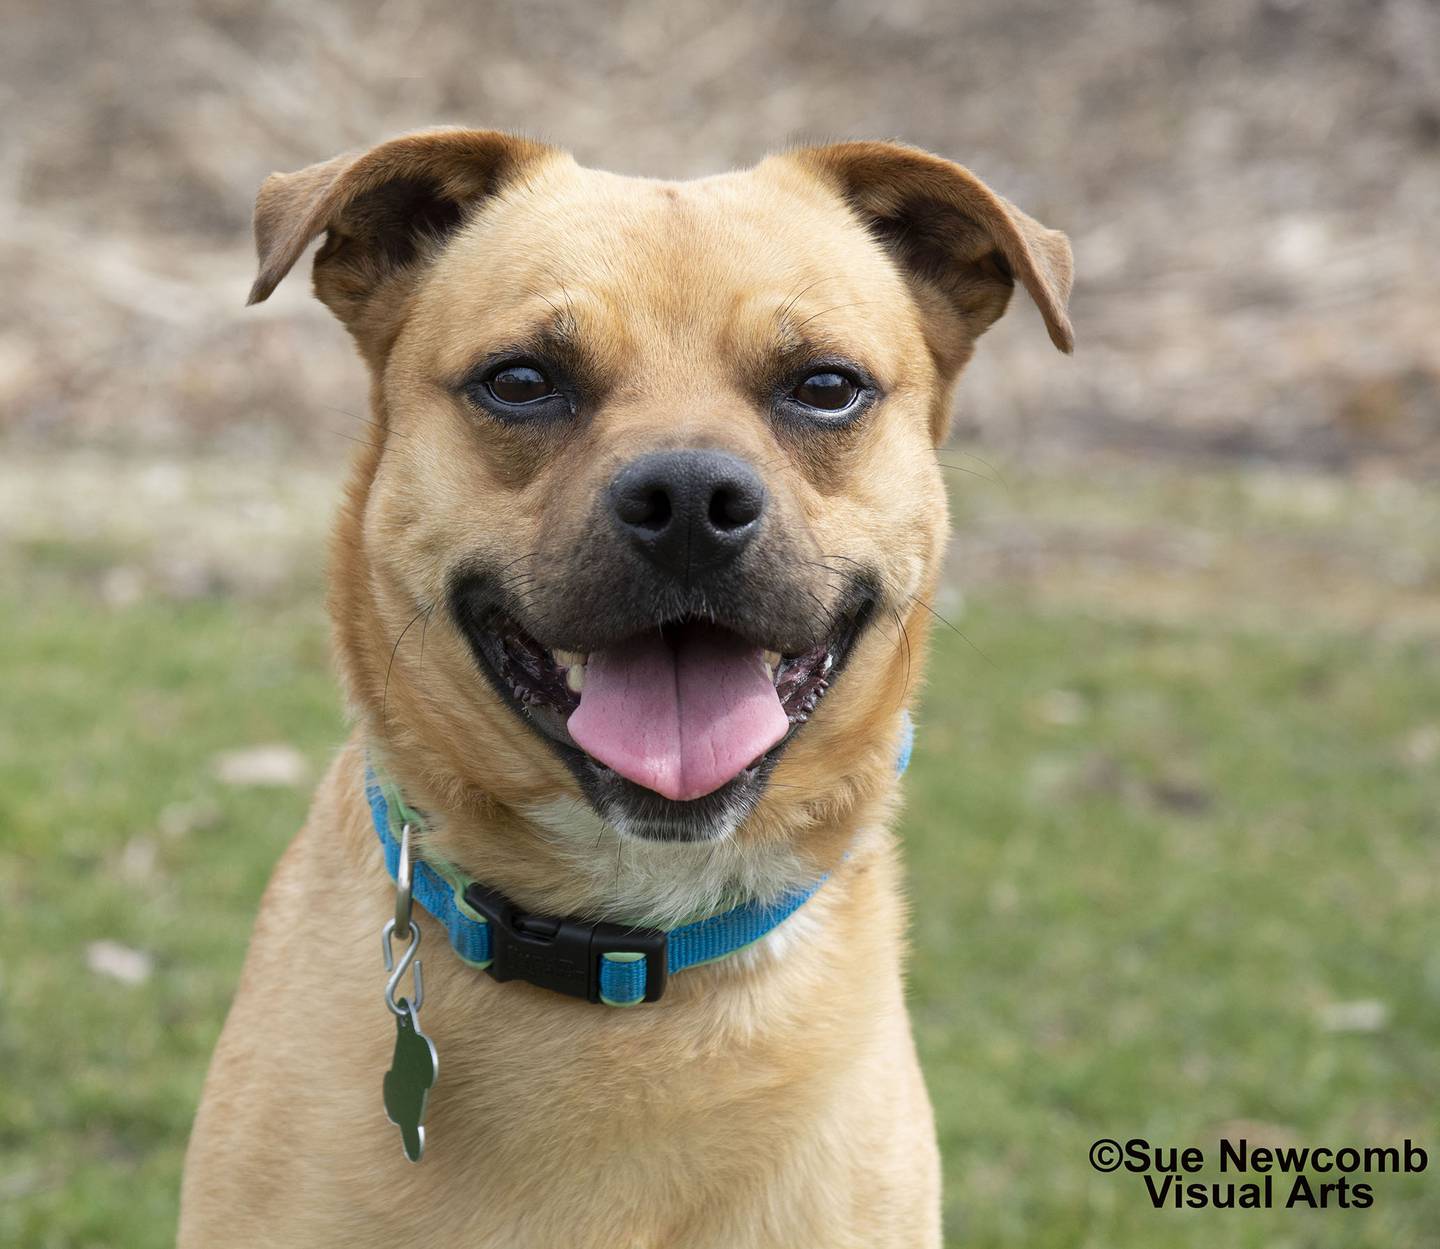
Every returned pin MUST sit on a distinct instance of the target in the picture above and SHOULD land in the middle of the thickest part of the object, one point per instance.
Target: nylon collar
(600, 962)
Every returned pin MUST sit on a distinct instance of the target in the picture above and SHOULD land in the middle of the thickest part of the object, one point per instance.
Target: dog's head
(655, 468)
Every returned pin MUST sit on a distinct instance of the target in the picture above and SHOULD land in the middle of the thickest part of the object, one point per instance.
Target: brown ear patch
(395, 218)
(947, 229)
(381, 207)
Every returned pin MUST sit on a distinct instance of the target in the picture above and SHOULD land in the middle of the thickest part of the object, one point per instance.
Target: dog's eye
(519, 390)
(517, 384)
(829, 394)
(827, 391)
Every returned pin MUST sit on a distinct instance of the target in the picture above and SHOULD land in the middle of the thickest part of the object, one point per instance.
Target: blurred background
(1173, 820)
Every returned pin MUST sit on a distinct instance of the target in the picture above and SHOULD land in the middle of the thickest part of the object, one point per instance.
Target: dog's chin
(538, 683)
(634, 811)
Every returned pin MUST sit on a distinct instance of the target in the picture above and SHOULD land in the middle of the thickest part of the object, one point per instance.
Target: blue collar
(597, 961)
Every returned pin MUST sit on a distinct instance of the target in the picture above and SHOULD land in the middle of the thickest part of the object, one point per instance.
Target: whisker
(960, 468)
(789, 305)
(861, 303)
(619, 864)
(425, 629)
(901, 632)
(355, 416)
(385, 694)
(970, 455)
(915, 598)
(364, 442)
(954, 628)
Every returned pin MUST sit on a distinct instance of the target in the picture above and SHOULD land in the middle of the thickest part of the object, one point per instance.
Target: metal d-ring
(398, 967)
(404, 879)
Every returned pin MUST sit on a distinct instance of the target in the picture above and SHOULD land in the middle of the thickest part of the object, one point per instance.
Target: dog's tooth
(575, 678)
(568, 659)
(771, 658)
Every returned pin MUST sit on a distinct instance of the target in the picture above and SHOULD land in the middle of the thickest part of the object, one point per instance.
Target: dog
(629, 593)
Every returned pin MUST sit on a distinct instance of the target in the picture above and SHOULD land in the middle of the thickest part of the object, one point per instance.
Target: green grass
(1130, 925)
(1144, 860)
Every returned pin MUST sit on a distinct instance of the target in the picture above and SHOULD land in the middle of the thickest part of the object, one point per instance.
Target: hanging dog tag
(408, 1082)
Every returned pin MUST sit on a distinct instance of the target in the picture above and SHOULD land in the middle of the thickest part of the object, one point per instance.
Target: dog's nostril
(645, 509)
(732, 508)
(657, 510)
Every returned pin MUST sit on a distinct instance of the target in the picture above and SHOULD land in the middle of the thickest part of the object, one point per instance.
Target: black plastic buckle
(562, 954)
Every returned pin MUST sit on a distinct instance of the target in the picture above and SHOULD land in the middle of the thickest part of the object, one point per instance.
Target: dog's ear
(383, 211)
(953, 237)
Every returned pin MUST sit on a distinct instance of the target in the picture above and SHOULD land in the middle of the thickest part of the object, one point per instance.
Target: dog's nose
(688, 511)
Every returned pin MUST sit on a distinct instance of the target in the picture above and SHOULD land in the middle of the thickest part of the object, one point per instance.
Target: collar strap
(597, 961)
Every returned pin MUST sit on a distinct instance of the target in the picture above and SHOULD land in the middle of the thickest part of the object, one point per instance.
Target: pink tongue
(681, 714)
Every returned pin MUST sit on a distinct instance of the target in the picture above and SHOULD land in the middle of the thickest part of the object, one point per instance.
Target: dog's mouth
(672, 731)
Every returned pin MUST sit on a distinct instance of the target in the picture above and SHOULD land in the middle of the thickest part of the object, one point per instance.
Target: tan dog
(604, 405)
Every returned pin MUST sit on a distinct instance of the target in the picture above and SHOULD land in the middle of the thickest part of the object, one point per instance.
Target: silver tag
(412, 1073)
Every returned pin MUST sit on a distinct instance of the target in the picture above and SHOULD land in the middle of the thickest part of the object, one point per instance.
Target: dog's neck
(559, 857)
(661, 884)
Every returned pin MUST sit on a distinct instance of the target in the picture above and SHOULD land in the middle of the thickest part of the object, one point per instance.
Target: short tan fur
(772, 1099)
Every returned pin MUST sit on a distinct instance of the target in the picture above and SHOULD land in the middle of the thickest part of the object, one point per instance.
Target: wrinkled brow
(559, 340)
(555, 337)
(558, 337)
(801, 335)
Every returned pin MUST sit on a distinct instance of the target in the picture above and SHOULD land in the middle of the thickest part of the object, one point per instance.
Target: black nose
(688, 511)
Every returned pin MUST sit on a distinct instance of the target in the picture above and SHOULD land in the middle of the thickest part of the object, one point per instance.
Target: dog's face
(655, 479)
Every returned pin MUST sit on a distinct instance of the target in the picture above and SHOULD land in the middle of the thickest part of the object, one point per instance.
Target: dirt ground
(1251, 187)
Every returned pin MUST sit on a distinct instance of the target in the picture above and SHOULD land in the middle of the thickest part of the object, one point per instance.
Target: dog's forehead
(708, 261)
